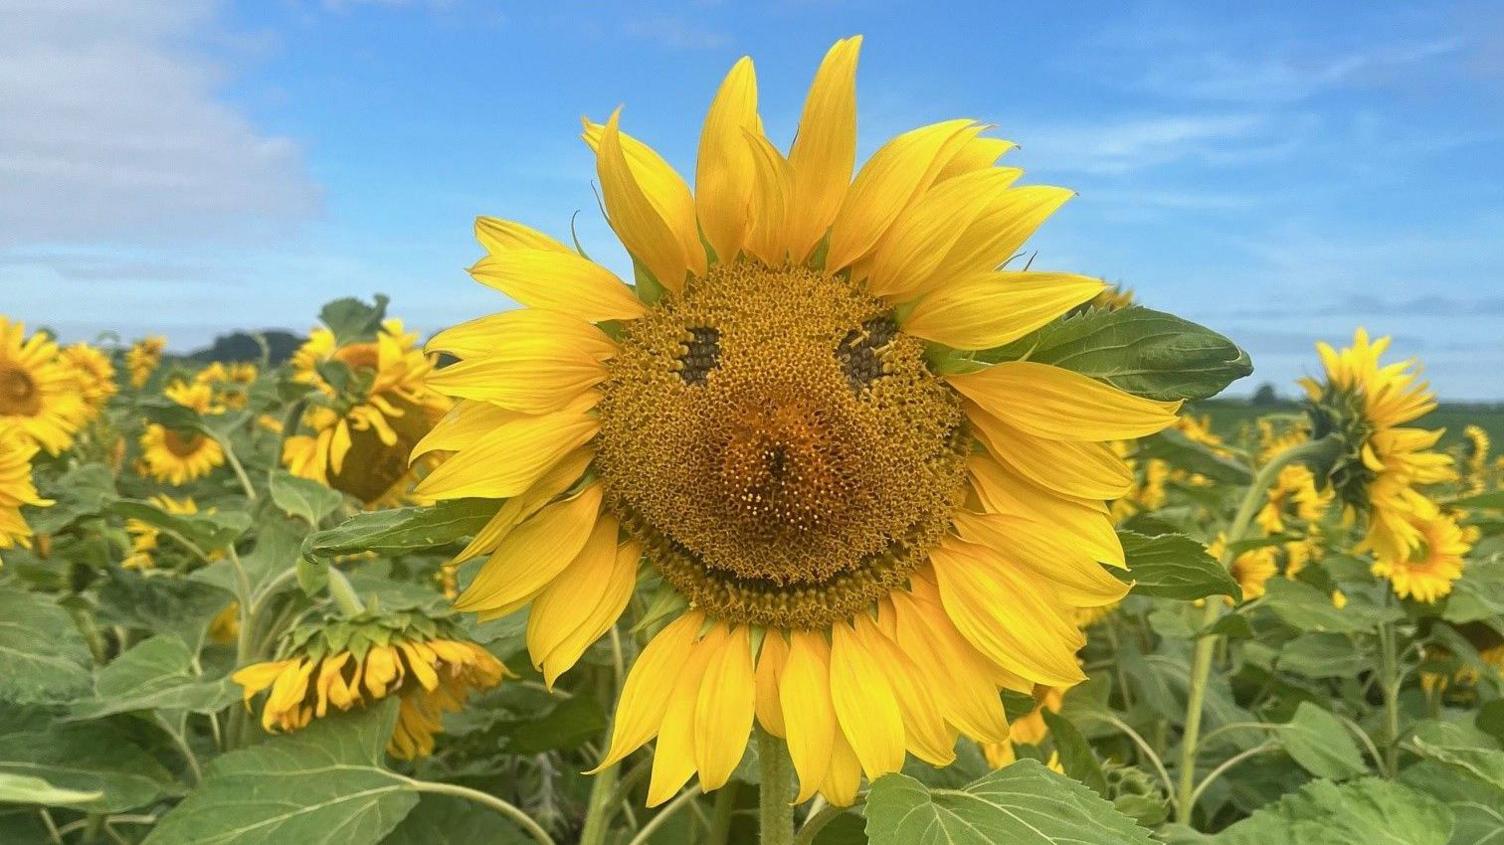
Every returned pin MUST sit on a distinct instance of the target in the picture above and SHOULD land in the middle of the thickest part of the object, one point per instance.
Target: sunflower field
(839, 522)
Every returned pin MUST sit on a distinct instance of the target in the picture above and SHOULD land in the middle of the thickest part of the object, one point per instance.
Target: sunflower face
(779, 447)
(16, 490)
(39, 396)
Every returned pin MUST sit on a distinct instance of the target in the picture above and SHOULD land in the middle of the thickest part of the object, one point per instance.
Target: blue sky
(1280, 173)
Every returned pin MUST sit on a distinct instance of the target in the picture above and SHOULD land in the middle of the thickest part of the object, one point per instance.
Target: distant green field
(1228, 415)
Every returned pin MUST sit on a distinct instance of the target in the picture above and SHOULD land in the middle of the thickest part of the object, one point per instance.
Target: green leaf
(1362, 812)
(1321, 655)
(278, 539)
(165, 412)
(1455, 746)
(1493, 500)
(446, 820)
(1023, 803)
(304, 498)
(1306, 608)
(43, 657)
(21, 789)
(1147, 353)
(568, 725)
(354, 321)
(1173, 566)
(93, 757)
(1184, 453)
(156, 673)
(323, 784)
(1478, 806)
(1478, 594)
(403, 529)
(80, 492)
(207, 531)
(1320, 744)
(1076, 756)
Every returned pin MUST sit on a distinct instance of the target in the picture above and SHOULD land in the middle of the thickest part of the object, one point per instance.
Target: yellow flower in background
(39, 395)
(198, 396)
(228, 382)
(431, 675)
(1253, 569)
(360, 445)
(1274, 438)
(1427, 572)
(16, 489)
(868, 551)
(1031, 728)
(1114, 298)
(178, 457)
(1293, 496)
(1367, 404)
(1303, 552)
(224, 628)
(94, 374)
(144, 535)
(143, 358)
(1475, 445)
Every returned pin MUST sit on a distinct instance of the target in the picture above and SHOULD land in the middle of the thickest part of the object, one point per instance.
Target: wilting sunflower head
(1426, 573)
(16, 489)
(1365, 404)
(39, 394)
(371, 405)
(345, 663)
(94, 374)
(870, 533)
(143, 358)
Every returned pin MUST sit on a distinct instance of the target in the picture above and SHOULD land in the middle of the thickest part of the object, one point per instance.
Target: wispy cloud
(1136, 143)
(110, 129)
(1288, 75)
(676, 33)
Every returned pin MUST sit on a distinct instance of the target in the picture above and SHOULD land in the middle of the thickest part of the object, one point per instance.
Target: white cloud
(1135, 143)
(676, 33)
(111, 130)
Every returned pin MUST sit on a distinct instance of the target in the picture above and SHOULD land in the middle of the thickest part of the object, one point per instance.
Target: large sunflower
(867, 546)
(39, 396)
(16, 489)
(359, 444)
(1367, 405)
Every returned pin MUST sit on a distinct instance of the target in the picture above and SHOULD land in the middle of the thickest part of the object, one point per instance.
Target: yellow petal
(844, 776)
(809, 717)
(1083, 470)
(924, 589)
(724, 708)
(920, 238)
(1011, 619)
(976, 154)
(725, 174)
(574, 599)
(674, 756)
(540, 362)
(993, 308)
(899, 171)
(494, 333)
(420, 659)
(648, 204)
(645, 695)
(607, 609)
(498, 235)
(1057, 404)
(560, 477)
(925, 732)
(770, 660)
(339, 447)
(1086, 522)
(259, 676)
(865, 705)
(534, 553)
(559, 281)
(770, 203)
(462, 427)
(824, 149)
(1050, 551)
(996, 235)
(511, 457)
(956, 672)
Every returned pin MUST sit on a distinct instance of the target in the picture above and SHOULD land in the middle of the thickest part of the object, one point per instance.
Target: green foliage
(1173, 566)
(1362, 812)
(403, 529)
(43, 658)
(96, 757)
(158, 673)
(352, 320)
(1320, 744)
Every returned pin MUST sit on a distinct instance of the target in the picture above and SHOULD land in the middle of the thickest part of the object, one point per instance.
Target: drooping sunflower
(361, 435)
(94, 374)
(346, 663)
(39, 396)
(178, 457)
(16, 489)
(145, 536)
(1367, 405)
(143, 358)
(867, 545)
(1428, 570)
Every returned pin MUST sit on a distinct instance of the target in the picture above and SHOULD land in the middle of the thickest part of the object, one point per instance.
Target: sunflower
(360, 443)
(1293, 496)
(179, 457)
(16, 490)
(426, 663)
(1303, 552)
(1367, 405)
(1475, 445)
(94, 374)
(867, 545)
(228, 381)
(144, 536)
(1428, 570)
(39, 395)
(143, 358)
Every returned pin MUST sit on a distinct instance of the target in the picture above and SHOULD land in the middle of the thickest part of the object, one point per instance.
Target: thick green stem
(599, 810)
(1389, 680)
(1201, 658)
(234, 462)
(720, 816)
(776, 794)
(343, 594)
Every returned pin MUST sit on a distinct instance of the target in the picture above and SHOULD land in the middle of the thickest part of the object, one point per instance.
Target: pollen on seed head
(779, 446)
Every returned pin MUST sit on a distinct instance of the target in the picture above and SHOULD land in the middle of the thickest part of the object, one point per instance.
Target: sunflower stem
(1206, 646)
(775, 794)
(343, 594)
(1389, 679)
(234, 462)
